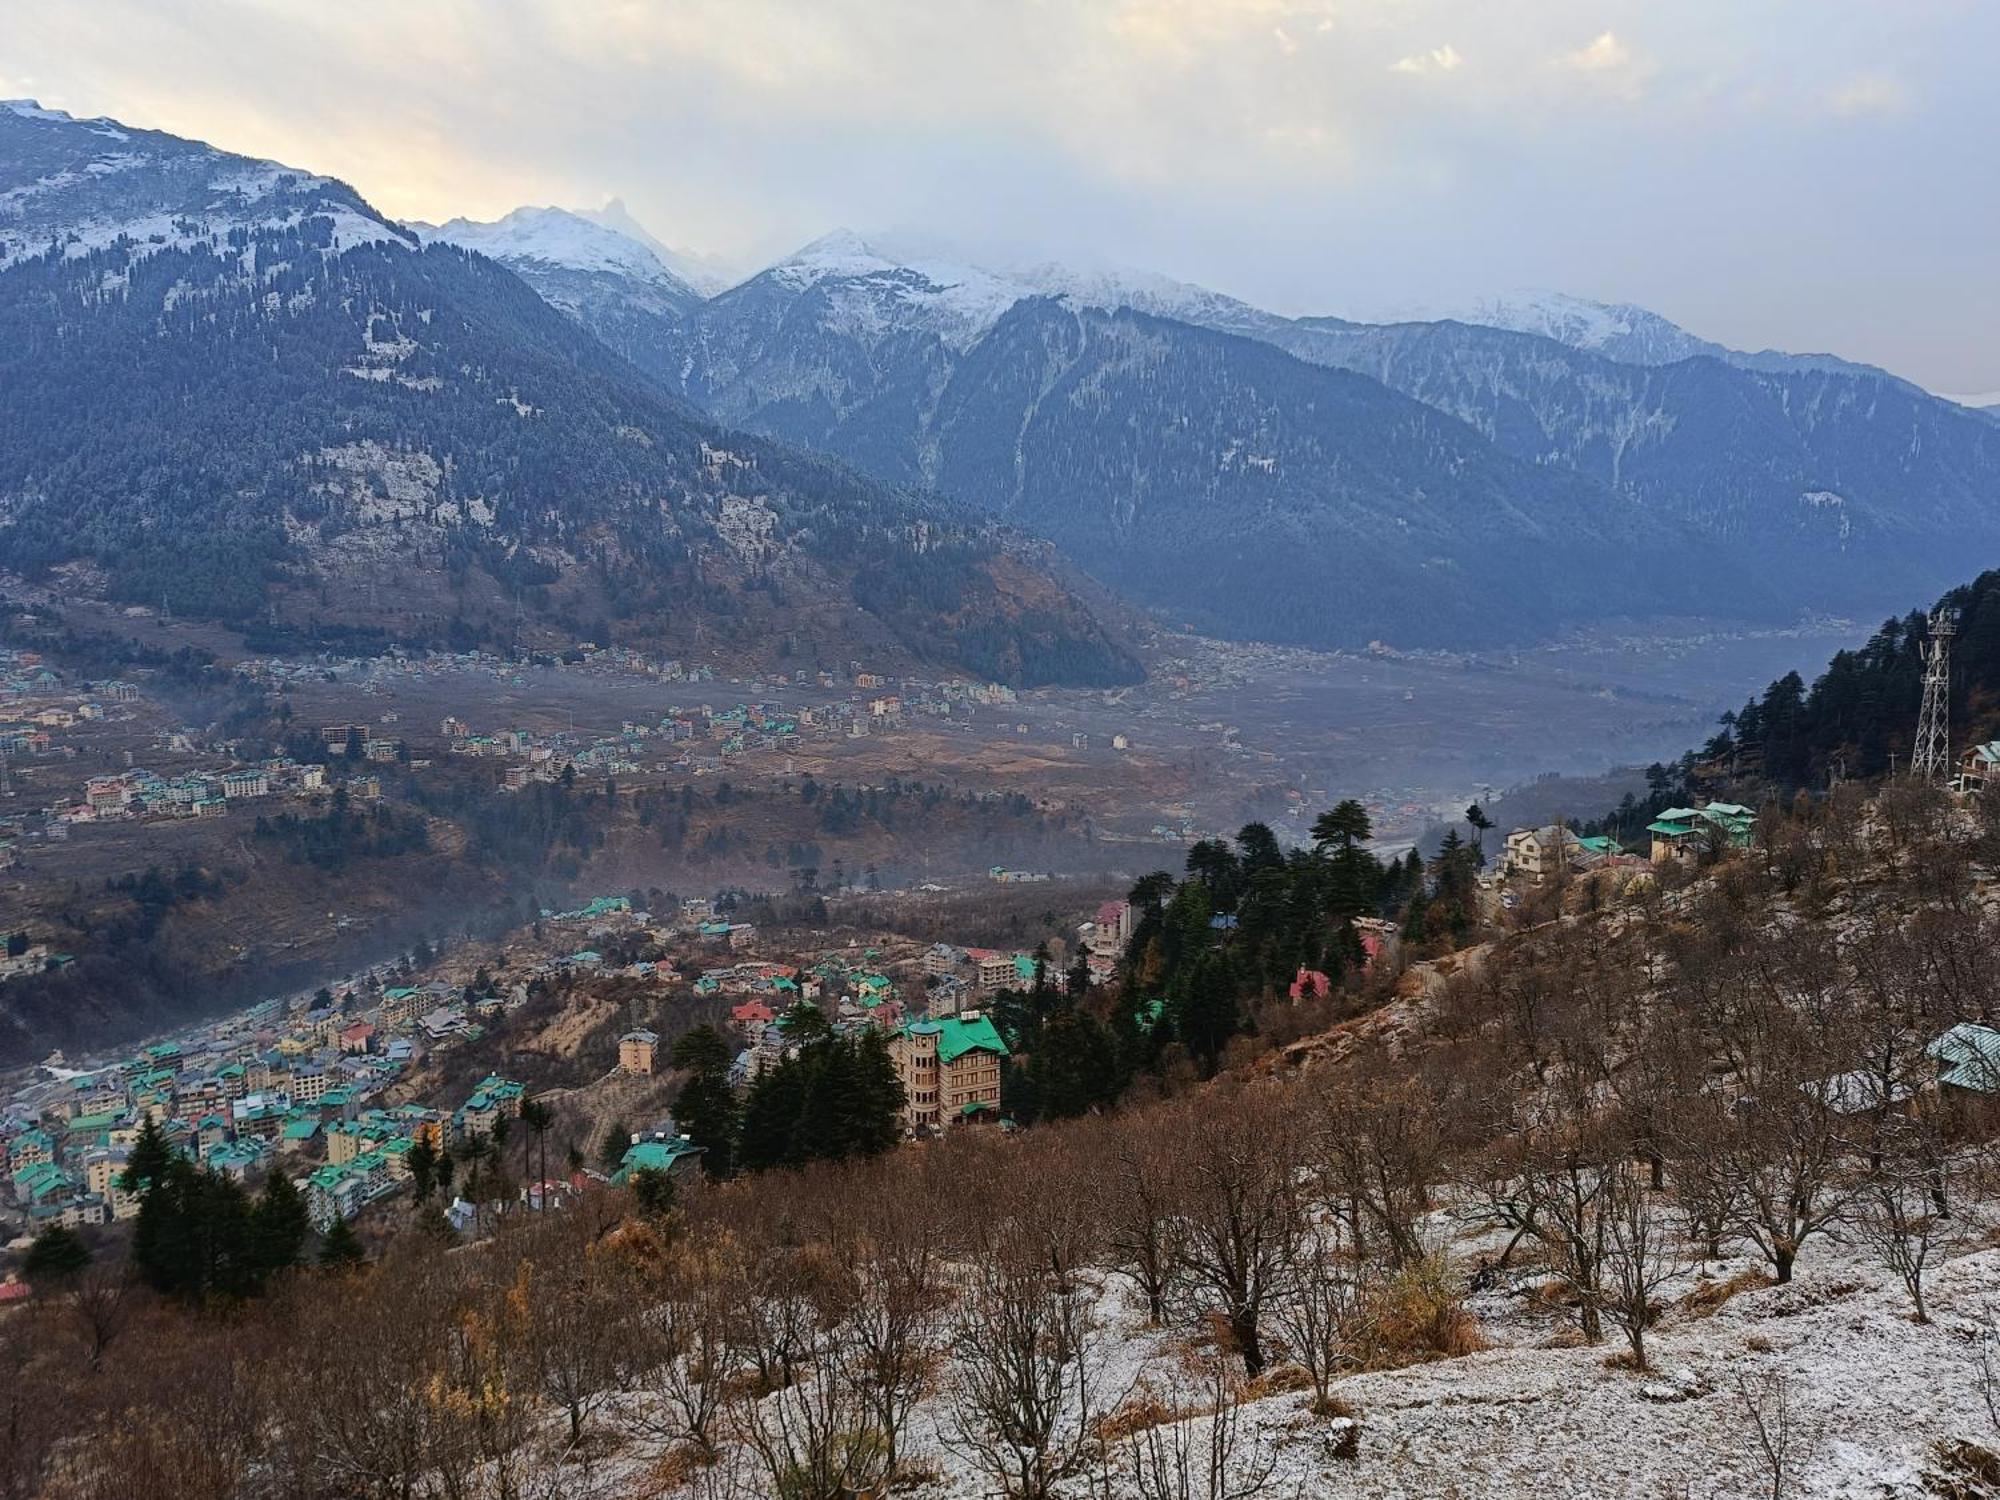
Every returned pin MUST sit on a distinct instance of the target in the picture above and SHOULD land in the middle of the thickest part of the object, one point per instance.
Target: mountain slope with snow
(558, 238)
(70, 187)
(1627, 333)
(239, 388)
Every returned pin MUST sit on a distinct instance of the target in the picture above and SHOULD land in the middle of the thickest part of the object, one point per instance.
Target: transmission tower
(1930, 756)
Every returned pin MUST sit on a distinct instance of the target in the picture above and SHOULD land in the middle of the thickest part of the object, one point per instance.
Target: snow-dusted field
(1868, 1395)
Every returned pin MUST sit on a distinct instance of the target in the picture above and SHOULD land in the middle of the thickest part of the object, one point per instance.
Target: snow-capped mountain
(1625, 332)
(707, 274)
(237, 387)
(73, 186)
(554, 236)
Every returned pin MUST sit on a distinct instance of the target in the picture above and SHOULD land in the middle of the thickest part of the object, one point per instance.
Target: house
(1111, 932)
(245, 783)
(950, 1069)
(1968, 1064)
(992, 970)
(657, 1152)
(635, 1051)
(1681, 833)
(1978, 765)
(1538, 854)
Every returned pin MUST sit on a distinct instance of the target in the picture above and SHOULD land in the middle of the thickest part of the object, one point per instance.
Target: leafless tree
(1324, 1313)
(1640, 1257)
(1026, 1377)
(1382, 1150)
(99, 1301)
(684, 1363)
(899, 1311)
(1145, 1228)
(1205, 1456)
(1781, 1441)
(1245, 1211)
(811, 1437)
(1904, 1210)
(1570, 1180)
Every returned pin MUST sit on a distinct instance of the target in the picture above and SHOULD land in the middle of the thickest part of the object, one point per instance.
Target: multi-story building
(635, 1051)
(950, 1069)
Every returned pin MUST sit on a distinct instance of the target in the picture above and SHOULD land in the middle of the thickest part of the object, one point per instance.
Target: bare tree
(1027, 1370)
(1640, 1257)
(1245, 1211)
(1206, 1456)
(685, 1362)
(1382, 1150)
(1324, 1314)
(1904, 1211)
(899, 1312)
(99, 1300)
(811, 1437)
(1781, 1441)
(1146, 1230)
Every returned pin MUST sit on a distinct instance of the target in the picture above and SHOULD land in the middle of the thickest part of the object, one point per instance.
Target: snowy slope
(706, 274)
(1625, 332)
(558, 237)
(74, 186)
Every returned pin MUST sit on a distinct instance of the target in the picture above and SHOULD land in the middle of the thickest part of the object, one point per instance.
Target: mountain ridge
(282, 406)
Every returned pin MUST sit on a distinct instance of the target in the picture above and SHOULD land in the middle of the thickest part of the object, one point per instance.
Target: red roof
(1313, 982)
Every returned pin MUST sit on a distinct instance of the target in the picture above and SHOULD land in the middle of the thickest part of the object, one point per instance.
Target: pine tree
(146, 1166)
(706, 1108)
(278, 1227)
(56, 1253)
(341, 1247)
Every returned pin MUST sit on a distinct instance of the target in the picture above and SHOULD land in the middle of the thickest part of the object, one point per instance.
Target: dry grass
(1706, 1298)
(1277, 1381)
(1142, 1410)
(1420, 1314)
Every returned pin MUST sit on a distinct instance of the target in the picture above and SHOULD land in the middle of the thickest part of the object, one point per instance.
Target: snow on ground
(1538, 1415)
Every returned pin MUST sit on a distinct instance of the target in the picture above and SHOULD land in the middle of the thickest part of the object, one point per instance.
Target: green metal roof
(958, 1036)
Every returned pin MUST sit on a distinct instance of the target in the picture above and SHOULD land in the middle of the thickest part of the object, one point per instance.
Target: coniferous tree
(341, 1247)
(706, 1108)
(56, 1253)
(278, 1227)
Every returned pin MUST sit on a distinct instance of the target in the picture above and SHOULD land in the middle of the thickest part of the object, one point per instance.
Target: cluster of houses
(199, 794)
(298, 1091)
(1535, 856)
(36, 704)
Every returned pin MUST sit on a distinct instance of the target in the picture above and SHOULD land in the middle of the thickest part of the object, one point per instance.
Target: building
(950, 1070)
(635, 1051)
(1110, 934)
(1683, 832)
(1538, 854)
(1978, 765)
(657, 1152)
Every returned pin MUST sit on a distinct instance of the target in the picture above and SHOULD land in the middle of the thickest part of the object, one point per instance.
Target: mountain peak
(558, 237)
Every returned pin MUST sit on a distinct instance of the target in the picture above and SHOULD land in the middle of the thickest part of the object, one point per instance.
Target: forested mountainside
(1800, 483)
(1860, 715)
(257, 395)
(1844, 484)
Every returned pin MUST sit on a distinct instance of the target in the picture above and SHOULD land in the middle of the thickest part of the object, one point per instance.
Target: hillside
(241, 391)
(1587, 1209)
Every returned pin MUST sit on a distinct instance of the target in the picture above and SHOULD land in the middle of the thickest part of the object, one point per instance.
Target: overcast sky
(1802, 174)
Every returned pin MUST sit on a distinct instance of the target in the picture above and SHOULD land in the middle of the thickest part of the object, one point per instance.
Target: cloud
(1604, 54)
(1302, 153)
(1443, 59)
(1868, 94)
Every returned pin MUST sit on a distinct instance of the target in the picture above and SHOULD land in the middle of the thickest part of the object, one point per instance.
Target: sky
(1815, 175)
